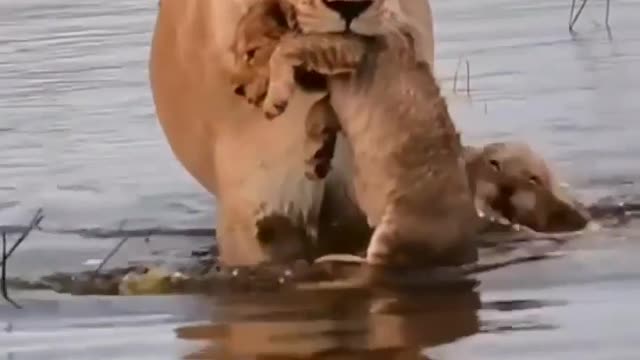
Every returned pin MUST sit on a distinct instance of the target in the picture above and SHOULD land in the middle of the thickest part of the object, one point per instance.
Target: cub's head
(511, 179)
(256, 36)
(364, 17)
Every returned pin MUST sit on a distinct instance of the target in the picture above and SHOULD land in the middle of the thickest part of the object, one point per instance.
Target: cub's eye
(495, 164)
(534, 180)
(249, 55)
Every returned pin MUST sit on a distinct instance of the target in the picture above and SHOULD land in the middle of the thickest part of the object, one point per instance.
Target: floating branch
(35, 222)
(573, 19)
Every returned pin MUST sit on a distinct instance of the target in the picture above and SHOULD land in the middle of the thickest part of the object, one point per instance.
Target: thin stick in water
(35, 222)
(113, 251)
(468, 80)
(606, 19)
(573, 7)
(455, 76)
(573, 21)
(3, 275)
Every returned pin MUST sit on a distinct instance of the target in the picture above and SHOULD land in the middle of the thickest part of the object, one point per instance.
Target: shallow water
(78, 137)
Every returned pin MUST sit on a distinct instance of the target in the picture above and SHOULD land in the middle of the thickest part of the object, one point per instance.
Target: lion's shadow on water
(347, 324)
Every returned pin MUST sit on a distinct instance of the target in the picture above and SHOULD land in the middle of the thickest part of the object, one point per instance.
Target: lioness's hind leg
(321, 130)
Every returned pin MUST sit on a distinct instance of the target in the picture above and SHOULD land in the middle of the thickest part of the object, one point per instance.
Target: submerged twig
(573, 7)
(113, 251)
(35, 222)
(573, 19)
(3, 280)
(468, 80)
(455, 77)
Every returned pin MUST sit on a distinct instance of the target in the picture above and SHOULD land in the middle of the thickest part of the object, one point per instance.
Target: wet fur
(410, 179)
(509, 180)
(254, 168)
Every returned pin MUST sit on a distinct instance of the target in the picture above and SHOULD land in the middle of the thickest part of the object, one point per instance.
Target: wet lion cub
(409, 174)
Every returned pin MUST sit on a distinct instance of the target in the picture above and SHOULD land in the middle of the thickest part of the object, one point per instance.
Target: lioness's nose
(348, 10)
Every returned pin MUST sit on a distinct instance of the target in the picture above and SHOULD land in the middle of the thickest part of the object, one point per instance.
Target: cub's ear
(289, 13)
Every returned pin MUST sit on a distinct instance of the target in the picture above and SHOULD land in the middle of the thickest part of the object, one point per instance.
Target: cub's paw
(254, 92)
(274, 108)
(276, 101)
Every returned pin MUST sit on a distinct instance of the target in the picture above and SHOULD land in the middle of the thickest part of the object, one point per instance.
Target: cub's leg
(321, 131)
(327, 54)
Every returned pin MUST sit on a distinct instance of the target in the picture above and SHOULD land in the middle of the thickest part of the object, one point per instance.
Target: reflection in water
(348, 324)
(335, 324)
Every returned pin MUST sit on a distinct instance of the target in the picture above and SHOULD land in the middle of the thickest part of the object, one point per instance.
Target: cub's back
(398, 124)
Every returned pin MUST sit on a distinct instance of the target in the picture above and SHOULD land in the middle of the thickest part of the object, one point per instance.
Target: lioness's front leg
(327, 54)
(321, 130)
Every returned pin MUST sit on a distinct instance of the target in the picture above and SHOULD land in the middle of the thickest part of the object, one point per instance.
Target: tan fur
(253, 167)
(509, 180)
(410, 178)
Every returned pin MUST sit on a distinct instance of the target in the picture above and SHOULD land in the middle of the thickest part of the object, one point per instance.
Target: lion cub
(409, 172)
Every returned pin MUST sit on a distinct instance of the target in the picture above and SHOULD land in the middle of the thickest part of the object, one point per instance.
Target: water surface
(78, 137)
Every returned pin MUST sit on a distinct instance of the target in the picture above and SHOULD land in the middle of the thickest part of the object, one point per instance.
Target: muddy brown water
(78, 137)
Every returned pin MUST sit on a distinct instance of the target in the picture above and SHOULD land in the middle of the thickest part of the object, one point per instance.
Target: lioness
(410, 177)
(254, 167)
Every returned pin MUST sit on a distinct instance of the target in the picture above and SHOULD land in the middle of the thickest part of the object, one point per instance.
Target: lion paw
(276, 101)
(254, 92)
(273, 109)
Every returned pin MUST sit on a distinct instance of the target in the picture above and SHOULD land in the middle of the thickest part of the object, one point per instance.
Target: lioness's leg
(321, 128)
(327, 54)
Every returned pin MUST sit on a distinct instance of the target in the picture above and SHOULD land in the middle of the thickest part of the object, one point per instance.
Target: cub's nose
(239, 90)
(348, 10)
